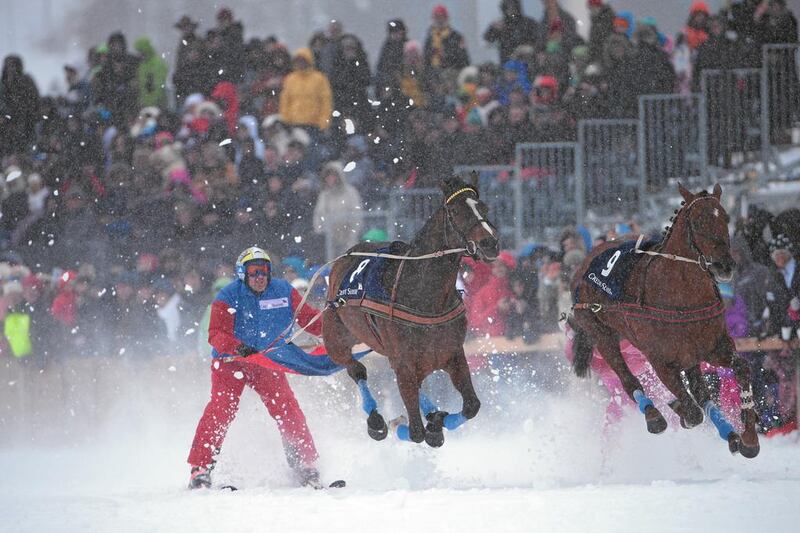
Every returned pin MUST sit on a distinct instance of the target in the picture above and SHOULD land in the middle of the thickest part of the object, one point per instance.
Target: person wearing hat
(151, 75)
(785, 293)
(602, 25)
(513, 30)
(190, 76)
(231, 35)
(390, 60)
(116, 87)
(249, 315)
(19, 101)
(445, 48)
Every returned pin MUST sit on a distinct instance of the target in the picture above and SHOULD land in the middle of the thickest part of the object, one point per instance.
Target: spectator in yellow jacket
(306, 99)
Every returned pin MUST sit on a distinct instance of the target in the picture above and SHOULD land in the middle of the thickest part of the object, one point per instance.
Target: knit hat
(780, 242)
(440, 11)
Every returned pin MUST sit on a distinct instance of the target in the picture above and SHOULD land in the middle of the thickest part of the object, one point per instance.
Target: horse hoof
(749, 451)
(734, 443)
(471, 408)
(434, 439)
(435, 421)
(656, 423)
(376, 426)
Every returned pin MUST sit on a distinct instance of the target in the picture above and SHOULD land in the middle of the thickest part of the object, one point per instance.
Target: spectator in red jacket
(484, 312)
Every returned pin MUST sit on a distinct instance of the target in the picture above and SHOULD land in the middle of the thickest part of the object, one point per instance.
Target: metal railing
(610, 172)
(548, 194)
(672, 140)
(409, 209)
(733, 111)
(780, 97)
(497, 185)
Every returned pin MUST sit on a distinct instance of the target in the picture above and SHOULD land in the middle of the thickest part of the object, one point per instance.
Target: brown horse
(422, 325)
(670, 309)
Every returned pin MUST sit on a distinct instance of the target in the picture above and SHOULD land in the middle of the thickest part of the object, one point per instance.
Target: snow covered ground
(108, 454)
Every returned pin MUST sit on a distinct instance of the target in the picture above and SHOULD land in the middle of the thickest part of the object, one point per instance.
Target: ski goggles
(257, 271)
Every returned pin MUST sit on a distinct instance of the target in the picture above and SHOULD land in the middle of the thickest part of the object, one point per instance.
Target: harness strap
(701, 261)
(411, 318)
(393, 297)
(670, 316)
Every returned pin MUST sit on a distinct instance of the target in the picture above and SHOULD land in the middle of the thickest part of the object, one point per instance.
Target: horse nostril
(488, 243)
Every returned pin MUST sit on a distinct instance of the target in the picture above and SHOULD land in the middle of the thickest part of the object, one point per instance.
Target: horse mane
(674, 218)
(449, 187)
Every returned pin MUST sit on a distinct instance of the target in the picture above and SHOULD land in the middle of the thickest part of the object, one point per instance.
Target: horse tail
(581, 350)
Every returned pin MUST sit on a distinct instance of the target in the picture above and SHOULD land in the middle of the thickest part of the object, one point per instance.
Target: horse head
(707, 230)
(466, 216)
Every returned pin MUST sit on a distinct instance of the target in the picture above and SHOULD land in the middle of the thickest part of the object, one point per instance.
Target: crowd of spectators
(123, 203)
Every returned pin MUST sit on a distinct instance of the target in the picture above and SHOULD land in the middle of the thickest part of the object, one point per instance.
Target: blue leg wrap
(403, 433)
(643, 401)
(723, 426)
(368, 403)
(426, 404)
(452, 421)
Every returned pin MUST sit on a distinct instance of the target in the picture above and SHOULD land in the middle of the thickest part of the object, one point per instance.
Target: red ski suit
(227, 383)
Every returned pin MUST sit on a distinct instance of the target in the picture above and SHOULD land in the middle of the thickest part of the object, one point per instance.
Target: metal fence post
(765, 149)
(702, 138)
(642, 157)
(518, 200)
(580, 179)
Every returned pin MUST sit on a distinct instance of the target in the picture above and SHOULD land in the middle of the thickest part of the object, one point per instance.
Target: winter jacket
(151, 76)
(736, 318)
(338, 212)
(602, 27)
(445, 48)
(751, 282)
(306, 98)
(19, 112)
(240, 316)
(516, 31)
(483, 313)
(225, 94)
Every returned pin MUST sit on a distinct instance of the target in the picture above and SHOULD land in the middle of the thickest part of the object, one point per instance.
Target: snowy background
(102, 447)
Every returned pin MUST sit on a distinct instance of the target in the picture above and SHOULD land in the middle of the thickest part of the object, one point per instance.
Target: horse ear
(474, 179)
(717, 191)
(687, 196)
(444, 185)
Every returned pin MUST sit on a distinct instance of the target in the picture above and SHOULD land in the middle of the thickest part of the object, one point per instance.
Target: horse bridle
(702, 260)
(470, 245)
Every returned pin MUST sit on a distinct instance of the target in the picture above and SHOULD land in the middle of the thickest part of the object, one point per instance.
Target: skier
(248, 316)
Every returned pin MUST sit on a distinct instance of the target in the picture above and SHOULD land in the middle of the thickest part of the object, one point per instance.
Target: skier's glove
(244, 350)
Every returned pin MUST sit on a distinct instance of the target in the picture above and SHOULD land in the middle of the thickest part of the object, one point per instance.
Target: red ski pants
(227, 383)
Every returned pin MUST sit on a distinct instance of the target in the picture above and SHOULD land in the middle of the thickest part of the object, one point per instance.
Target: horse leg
(607, 342)
(684, 405)
(702, 395)
(458, 370)
(725, 355)
(409, 387)
(339, 343)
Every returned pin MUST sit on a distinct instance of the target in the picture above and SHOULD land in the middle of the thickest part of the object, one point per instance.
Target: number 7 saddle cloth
(609, 271)
(364, 286)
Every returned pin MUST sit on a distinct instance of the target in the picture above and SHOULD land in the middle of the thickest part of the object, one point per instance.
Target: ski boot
(200, 478)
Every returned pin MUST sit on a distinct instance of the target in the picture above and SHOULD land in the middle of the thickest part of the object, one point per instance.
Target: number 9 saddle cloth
(609, 271)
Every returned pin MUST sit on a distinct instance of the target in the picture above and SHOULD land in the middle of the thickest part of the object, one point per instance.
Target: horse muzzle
(488, 249)
(722, 270)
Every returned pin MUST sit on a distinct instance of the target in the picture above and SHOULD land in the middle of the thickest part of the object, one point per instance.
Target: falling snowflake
(350, 166)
